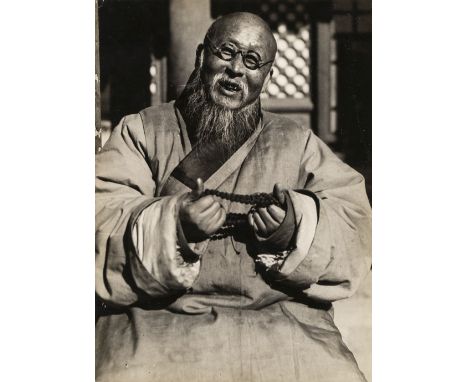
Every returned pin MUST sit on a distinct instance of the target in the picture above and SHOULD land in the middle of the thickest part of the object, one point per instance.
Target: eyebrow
(238, 45)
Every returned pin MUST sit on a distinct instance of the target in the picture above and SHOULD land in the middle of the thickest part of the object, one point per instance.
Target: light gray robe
(222, 318)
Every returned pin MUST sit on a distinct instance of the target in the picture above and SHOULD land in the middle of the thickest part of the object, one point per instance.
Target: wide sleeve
(138, 254)
(331, 253)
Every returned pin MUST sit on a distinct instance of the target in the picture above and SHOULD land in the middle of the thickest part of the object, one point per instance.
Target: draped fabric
(223, 317)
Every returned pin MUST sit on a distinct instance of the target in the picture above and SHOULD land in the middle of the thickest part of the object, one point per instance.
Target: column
(189, 21)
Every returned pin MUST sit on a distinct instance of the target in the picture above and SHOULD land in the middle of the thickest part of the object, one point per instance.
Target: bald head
(248, 24)
(235, 59)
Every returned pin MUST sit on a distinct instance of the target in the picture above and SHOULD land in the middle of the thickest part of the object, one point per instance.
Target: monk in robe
(198, 276)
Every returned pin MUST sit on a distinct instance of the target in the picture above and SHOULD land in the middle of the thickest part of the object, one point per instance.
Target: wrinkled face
(231, 84)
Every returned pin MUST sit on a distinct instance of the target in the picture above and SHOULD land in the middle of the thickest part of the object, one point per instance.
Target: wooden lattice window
(291, 28)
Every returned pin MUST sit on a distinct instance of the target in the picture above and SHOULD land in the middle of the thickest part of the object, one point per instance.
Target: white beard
(213, 123)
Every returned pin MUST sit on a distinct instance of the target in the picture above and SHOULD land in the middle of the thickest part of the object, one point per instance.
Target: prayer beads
(237, 220)
(257, 200)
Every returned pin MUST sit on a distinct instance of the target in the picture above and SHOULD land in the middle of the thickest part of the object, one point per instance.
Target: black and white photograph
(273, 191)
(233, 189)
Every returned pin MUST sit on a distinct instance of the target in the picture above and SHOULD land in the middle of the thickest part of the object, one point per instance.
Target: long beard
(217, 124)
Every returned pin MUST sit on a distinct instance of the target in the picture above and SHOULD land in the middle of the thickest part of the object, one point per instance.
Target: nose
(236, 67)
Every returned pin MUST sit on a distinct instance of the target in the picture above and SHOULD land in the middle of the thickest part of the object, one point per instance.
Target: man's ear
(267, 80)
(199, 56)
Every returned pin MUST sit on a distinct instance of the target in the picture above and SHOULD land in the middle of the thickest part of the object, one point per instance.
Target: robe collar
(213, 174)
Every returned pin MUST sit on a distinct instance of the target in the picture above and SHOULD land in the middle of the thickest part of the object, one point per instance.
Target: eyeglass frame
(217, 52)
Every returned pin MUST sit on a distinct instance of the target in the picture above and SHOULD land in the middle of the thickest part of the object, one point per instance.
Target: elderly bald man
(224, 232)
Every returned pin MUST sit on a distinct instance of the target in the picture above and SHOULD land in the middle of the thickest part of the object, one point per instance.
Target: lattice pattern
(290, 24)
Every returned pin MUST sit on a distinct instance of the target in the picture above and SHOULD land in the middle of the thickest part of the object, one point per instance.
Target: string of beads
(238, 220)
(259, 200)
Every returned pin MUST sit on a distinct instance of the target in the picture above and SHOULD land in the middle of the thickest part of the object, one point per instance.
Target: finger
(250, 220)
(278, 192)
(270, 223)
(215, 217)
(276, 213)
(223, 215)
(200, 188)
(259, 224)
(204, 202)
(214, 223)
(254, 226)
(206, 224)
(220, 219)
(197, 192)
(209, 212)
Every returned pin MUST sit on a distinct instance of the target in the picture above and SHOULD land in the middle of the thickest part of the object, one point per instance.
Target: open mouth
(230, 86)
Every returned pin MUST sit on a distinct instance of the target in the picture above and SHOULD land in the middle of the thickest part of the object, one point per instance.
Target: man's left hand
(265, 221)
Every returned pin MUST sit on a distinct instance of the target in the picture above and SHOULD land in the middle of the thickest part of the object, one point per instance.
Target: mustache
(229, 127)
(222, 77)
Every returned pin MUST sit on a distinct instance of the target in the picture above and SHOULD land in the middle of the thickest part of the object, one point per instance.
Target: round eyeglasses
(227, 52)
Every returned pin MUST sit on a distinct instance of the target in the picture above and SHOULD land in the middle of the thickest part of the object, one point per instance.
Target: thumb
(278, 193)
(198, 191)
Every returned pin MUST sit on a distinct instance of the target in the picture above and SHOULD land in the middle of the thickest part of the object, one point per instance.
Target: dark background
(147, 49)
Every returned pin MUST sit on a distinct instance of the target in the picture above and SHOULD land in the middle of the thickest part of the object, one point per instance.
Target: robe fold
(210, 311)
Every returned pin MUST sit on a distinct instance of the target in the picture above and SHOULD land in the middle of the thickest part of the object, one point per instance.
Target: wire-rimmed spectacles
(227, 52)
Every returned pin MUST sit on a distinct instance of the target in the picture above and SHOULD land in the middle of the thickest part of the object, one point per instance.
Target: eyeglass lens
(250, 60)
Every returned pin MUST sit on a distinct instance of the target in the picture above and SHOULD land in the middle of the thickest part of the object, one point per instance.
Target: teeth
(231, 86)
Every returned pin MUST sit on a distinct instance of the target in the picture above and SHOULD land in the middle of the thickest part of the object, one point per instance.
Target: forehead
(245, 35)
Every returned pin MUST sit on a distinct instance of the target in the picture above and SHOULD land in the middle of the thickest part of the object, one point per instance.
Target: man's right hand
(200, 217)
